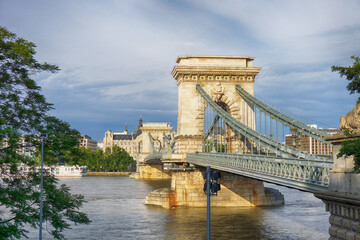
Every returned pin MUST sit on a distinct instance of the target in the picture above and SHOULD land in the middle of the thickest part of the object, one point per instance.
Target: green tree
(115, 158)
(24, 113)
(112, 159)
(97, 160)
(352, 73)
(351, 147)
(61, 143)
(125, 160)
(84, 157)
(106, 160)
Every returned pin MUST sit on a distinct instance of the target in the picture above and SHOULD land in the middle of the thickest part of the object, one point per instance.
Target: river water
(117, 210)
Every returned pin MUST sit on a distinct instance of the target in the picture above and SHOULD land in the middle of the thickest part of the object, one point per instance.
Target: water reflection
(226, 223)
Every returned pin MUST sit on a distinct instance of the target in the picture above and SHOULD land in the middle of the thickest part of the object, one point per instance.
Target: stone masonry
(150, 172)
(236, 191)
(218, 75)
(343, 198)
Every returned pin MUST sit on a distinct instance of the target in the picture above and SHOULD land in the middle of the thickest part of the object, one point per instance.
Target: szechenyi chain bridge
(222, 125)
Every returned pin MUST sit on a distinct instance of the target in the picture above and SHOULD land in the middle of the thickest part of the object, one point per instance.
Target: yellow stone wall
(188, 143)
(150, 172)
(236, 191)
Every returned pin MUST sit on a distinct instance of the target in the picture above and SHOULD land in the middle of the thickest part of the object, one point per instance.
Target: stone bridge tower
(219, 76)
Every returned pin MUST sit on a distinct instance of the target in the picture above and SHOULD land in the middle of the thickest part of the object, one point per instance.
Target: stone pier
(155, 172)
(236, 191)
(343, 198)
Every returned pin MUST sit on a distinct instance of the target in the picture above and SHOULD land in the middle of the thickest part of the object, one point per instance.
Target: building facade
(309, 144)
(100, 145)
(24, 148)
(87, 142)
(133, 143)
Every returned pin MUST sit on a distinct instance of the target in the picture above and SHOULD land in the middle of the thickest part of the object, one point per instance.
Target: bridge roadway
(305, 175)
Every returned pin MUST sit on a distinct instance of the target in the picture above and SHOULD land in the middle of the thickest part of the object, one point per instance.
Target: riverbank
(108, 173)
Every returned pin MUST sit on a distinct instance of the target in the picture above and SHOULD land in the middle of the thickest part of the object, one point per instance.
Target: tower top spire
(140, 122)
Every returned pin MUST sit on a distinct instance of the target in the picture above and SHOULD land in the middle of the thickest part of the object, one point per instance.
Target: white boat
(57, 170)
(69, 171)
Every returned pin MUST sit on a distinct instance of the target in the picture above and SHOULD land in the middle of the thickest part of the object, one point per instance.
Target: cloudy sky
(116, 56)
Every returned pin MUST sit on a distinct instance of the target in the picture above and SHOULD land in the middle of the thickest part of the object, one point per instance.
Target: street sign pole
(208, 172)
(211, 187)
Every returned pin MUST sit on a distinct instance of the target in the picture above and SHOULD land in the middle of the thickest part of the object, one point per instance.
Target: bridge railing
(307, 175)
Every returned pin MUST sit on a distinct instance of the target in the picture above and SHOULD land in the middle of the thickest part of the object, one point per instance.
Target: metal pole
(41, 184)
(208, 170)
(221, 134)
(284, 133)
(277, 131)
(265, 125)
(260, 122)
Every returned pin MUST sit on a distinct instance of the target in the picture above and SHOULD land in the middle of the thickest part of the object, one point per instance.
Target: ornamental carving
(217, 92)
(352, 119)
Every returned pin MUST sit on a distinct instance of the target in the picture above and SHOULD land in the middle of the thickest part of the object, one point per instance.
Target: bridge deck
(310, 176)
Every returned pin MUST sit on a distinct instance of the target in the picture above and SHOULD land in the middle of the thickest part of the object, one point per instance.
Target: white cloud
(118, 55)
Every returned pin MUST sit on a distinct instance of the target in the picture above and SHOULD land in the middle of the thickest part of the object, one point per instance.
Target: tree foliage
(352, 73)
(351, 147)
(24, 114)
(114, 159)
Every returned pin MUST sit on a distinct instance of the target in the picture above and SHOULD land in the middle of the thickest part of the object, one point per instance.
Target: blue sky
(116, 56)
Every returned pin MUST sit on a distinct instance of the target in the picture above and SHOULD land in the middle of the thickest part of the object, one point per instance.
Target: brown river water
(117, 210)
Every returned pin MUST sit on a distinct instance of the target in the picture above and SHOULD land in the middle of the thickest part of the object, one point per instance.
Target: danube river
(117, 210)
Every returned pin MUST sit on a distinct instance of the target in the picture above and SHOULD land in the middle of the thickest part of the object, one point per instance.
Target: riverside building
(309, 144)
(87, 142)
(133, 142)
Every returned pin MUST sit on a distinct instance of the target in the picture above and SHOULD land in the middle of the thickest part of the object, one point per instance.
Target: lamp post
(43, 136)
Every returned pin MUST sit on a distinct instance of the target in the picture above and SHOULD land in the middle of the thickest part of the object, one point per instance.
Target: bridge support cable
(274, 146)
(218, 135)
(211, 127)
(286, 120)
(269, 127)
(306, 175)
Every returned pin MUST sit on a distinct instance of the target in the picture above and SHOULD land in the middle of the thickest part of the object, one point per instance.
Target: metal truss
(286, 120)
(305, 175)
(212, 125)
(278, 148)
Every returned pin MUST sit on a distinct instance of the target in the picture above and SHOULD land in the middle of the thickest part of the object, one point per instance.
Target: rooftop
(195, 60)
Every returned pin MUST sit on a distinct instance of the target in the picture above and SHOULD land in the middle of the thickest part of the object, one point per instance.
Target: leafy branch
(351, 147)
